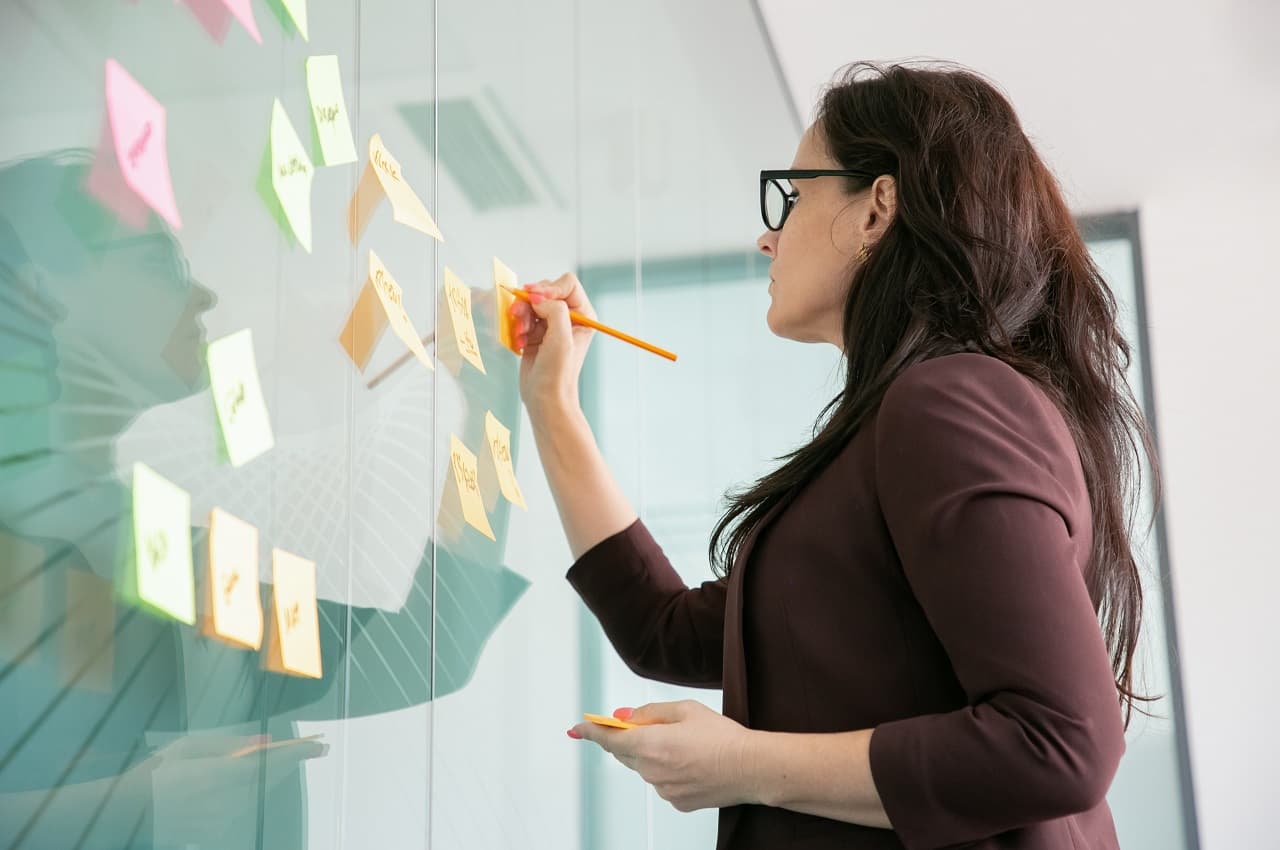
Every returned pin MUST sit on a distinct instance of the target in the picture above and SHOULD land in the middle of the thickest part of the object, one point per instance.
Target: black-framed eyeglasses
(776, 200)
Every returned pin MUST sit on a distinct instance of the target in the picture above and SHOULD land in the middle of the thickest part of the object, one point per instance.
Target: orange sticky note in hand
(601, 720)
(233, 609)
(383, 178)
(505, 280)
(293, 644)
(138, 136)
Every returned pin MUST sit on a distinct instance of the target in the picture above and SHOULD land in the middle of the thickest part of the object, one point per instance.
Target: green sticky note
(237, 397)
(165, 581)
(297, 10)
(291, 173)
(329, 111)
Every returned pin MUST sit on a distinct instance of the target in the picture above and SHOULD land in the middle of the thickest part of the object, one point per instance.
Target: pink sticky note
(138, 134)
(243, 11)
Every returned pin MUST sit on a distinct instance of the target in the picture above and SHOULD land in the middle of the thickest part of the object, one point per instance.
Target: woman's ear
(882, 206)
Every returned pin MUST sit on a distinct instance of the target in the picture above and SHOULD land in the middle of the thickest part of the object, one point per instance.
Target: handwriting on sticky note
(295, 629)
(466, 479)
(137, 122)
(162, 543)
(384, 178)
(233, 609)
(392, 298)
(498, 436)
(237, 396)
(329, 110)
(291, 174)
(458, 297)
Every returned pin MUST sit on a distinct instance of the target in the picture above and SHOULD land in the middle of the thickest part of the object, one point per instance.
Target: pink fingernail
(624, 713)
(537, 297)
(574, 735)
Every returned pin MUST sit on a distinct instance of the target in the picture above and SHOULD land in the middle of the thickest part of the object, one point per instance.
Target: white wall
(1213, 293)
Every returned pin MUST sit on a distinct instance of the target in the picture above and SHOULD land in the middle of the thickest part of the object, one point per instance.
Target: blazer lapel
(735, 661)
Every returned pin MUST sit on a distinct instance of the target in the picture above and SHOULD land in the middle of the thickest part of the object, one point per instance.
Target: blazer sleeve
(661, 628)
(981, 488)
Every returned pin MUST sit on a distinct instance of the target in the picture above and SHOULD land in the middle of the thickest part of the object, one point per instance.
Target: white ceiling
(1122, 98)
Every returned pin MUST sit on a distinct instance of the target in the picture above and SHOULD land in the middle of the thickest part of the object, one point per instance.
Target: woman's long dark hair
(981, 255)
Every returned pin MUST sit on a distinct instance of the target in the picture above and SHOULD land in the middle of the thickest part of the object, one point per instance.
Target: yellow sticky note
(329, 110)
(294, 642)
(498, 436)
(164, 576)
(466, 481)
(237, 397)
(297, 10)
(291, 173)
(503, 277)
(233, 609)
(89, 650)
(383, 177)
(601, 720)
(461, 331)
(391, 296)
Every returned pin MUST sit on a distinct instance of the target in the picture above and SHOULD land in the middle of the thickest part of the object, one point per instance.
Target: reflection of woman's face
(137, 304)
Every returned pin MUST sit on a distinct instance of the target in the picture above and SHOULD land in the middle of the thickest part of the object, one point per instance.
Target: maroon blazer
(927, 584)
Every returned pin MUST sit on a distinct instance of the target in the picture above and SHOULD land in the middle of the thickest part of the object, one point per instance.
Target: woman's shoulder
(966, 381)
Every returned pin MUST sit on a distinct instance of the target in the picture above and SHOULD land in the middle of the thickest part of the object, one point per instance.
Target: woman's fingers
(566, 288)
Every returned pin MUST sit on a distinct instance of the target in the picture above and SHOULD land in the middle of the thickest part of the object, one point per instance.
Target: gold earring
(864, 253)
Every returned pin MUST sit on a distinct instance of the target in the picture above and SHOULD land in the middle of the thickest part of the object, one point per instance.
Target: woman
(906, 627)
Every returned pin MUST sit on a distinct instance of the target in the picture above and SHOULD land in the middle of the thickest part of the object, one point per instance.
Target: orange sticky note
(22, 597)
(601, 720)
(504, 277)
(381, 302)
(138, 135)
(89, 650)
(233, 609)
(383, 178)
(457, 339)
(293, 645)
(462, 501)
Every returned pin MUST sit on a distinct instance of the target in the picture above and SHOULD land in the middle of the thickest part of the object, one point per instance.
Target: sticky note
(601, 720)
(504, 277)
(465, 483)
(460, 332)
(22, 596)
(383, 177)
(237, 397)
(138, 135)
(381, 302)
(88, 637)
(297, 10)
(165, 582)
(293, 645)
(291, 173)
(329, 110)
(233, 609)
(243, 12)
(498, 438)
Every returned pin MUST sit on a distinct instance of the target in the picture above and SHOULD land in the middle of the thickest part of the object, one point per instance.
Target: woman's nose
(768, 243)
(202, 297)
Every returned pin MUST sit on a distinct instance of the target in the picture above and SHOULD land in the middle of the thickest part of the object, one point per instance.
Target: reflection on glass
(124, 729)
